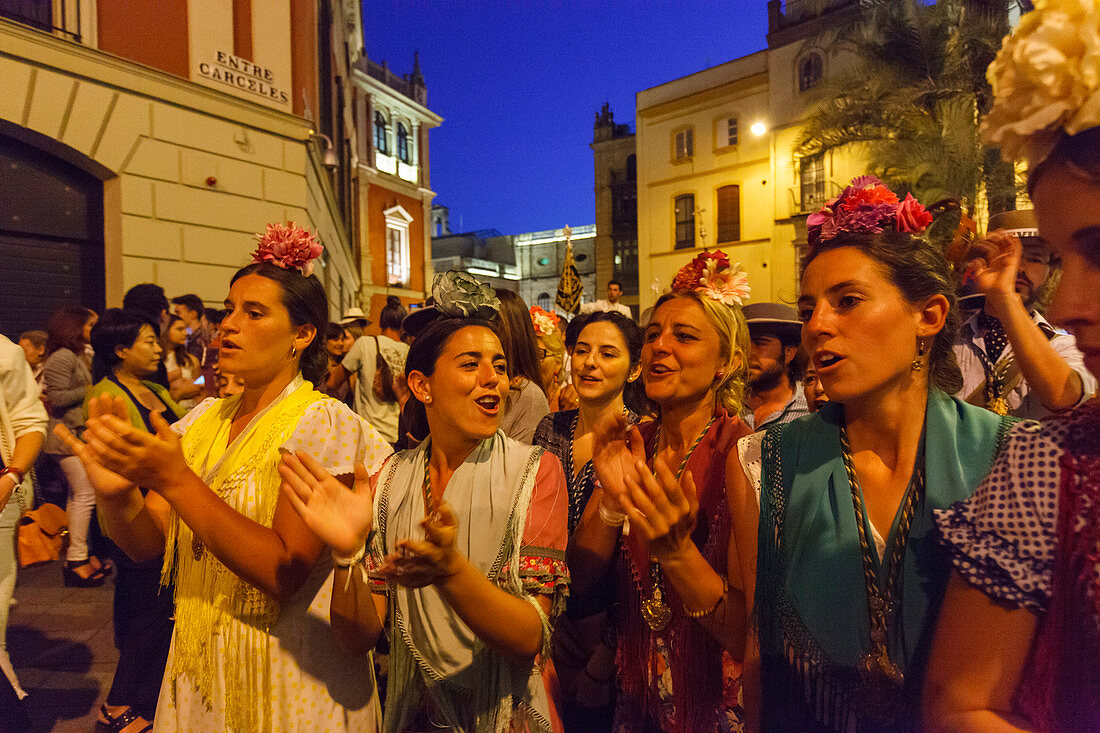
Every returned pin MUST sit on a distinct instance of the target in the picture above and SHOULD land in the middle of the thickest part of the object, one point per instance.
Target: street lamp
(328, 158)
(758, 128)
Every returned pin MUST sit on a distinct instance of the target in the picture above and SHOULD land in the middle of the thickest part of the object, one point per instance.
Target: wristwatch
(14, 472)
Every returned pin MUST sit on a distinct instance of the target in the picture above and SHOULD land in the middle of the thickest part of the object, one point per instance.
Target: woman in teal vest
(833, 524)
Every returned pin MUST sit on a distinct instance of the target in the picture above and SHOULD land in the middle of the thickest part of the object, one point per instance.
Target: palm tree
(911, 101)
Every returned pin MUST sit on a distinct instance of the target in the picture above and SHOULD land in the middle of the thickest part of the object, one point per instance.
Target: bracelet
(19, 475)
(349, 562)
(611, 518)
(712, 609)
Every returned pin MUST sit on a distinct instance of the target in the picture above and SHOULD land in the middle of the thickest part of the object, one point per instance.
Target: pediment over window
(397, 215)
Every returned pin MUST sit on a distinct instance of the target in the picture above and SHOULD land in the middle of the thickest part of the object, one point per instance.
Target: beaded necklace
(655, 611)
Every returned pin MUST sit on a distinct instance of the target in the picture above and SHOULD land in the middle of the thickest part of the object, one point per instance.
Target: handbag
(42, 534)
(383, 377)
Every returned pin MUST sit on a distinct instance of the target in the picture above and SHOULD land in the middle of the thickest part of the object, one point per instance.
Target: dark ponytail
(305, 302)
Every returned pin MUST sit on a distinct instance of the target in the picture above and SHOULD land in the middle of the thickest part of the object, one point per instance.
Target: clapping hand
(107, 483)
(661, 507)
(340, 517)
(618, 449)
(419, 563)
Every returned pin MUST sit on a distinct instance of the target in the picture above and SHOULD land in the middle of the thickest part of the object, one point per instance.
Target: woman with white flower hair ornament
(456, 548)
(1018, 642)
(657, 523)
(252, 649)
(838, 572)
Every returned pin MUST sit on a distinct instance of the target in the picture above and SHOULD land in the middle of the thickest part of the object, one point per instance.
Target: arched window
(809, 71)
(403, 143)
(381, 139)
(544, 301)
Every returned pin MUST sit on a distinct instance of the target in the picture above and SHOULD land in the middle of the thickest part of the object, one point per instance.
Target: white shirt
(1022, 402)
(606, 305)
(362, 359)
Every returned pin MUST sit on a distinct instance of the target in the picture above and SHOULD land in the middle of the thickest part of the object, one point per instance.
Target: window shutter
(729, 214)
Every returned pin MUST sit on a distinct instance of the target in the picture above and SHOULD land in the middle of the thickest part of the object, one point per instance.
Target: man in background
(773, 393)
(1012, 360)
(614, 292)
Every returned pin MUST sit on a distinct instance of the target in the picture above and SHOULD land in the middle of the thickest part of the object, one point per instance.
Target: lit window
(731, 131)
(398, 258)
(381, 139)
(729, 214)
(684, 145)
(811, 176)
(685, 221)
(403, 143)
(809, 72)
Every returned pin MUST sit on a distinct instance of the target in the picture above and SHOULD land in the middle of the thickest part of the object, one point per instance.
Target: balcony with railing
(59, 17)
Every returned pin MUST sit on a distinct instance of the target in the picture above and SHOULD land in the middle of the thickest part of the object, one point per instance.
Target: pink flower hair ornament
(711, 275)
(868, 206)
(288, 246)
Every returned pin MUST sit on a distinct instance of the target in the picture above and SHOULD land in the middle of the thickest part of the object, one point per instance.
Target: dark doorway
(51, 237)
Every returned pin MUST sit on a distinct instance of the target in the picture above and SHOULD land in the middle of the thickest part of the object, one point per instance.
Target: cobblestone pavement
(61, 643)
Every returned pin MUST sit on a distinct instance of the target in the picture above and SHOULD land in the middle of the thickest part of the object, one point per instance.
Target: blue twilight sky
(519, 82)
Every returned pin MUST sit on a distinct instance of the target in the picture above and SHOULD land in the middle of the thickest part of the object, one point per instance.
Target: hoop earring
(293, 351)
(918, 361)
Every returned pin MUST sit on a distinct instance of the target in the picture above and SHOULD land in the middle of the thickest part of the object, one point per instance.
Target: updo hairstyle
(392, 314)
(305, 302)
(919, 271)
(733, 344)
(422, 357)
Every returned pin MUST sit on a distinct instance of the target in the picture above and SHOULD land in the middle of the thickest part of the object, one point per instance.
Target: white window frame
(398, 252)
(732, 131)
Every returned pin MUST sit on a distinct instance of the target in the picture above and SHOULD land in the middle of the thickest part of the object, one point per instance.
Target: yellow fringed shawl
(212, 602)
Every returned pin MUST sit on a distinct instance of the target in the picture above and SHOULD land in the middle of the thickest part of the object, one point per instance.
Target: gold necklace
(655, 611)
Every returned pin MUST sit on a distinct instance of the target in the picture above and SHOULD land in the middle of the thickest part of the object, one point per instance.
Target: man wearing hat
(773, 394)
(1013, 361)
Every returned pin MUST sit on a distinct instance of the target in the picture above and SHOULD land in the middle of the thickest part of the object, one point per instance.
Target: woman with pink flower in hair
(252, 649)
(839, 569)
(657, 523)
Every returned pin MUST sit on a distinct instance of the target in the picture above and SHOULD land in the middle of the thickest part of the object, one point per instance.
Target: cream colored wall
(161, 139)
(661, 179)
(762, 87)
(210, 30)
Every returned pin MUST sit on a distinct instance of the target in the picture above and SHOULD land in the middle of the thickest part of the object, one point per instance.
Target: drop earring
(918, 361)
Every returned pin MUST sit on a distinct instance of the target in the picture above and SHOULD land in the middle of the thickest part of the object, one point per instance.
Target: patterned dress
(312, 683)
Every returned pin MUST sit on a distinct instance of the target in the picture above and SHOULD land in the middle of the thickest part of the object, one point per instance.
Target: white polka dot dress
(314, 684)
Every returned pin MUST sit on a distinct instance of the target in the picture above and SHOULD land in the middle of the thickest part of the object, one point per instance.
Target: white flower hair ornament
(1045, 80)
(288, 246)
(711, 275)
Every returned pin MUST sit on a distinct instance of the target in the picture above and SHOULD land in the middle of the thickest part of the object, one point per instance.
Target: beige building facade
(717, 168)
(196, 124)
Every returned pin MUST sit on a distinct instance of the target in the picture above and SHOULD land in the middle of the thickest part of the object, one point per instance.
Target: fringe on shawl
(495, 709)
(212, 600)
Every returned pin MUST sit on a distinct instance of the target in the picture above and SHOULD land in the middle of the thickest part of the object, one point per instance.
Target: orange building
(395, 196)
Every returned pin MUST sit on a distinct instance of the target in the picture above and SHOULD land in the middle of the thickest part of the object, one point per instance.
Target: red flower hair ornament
(288, 246)
(866, 205)
(710, 274)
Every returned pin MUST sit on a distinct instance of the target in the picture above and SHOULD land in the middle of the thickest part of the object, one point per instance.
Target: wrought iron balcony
(59, 17)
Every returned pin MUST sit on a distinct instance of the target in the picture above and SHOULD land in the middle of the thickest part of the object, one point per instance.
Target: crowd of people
(875, 510)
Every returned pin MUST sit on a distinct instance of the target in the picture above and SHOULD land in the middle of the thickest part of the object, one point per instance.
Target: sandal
(115, 724)
(73, 579)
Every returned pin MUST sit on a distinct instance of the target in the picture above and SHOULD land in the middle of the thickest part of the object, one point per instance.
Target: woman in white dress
(252, 648)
